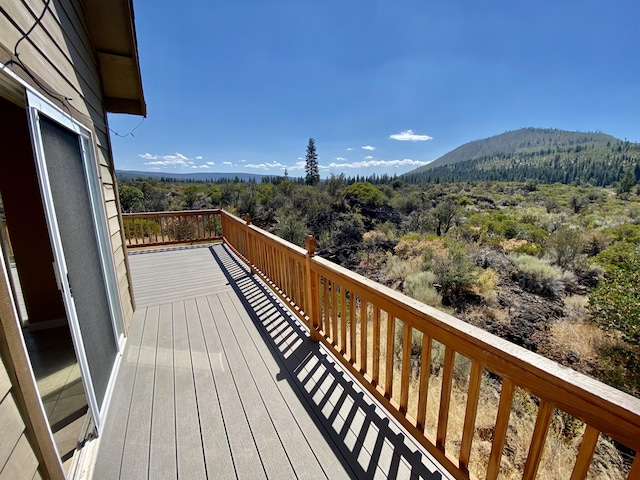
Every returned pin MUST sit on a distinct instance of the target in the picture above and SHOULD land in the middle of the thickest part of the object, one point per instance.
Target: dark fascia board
(112, 29)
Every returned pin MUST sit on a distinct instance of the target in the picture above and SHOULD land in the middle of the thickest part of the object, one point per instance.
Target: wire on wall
(63, 99)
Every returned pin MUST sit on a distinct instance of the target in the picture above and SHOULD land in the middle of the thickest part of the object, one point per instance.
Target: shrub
(565, 248)
(420, 286)
(398, 269)
(455, 271)
(537, 276)
(364, 193)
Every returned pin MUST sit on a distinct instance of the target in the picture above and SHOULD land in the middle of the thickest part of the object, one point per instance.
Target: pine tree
(311, 167)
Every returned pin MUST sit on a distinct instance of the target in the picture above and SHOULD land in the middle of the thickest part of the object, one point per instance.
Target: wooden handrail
(170, 228)
(341, 307)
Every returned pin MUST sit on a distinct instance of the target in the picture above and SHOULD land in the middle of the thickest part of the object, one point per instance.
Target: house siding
(59, 53)
(62, 65)
(17, 458)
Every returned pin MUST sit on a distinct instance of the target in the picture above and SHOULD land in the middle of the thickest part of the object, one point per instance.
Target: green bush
(365, 193)
(565, 248)
(615, 302)
(420, 286)
(537, 276)
(454, 270)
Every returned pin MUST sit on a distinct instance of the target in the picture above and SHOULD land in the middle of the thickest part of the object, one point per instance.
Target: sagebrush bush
(537, 276)
(455, 271)
(398, 269)
(420, 286)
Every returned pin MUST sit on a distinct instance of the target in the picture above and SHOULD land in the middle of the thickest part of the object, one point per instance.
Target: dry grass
(576, 332)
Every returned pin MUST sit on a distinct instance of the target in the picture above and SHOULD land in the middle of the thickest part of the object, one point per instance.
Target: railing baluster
(538, 440)
(375, 361)
(634, 473)
(425, 376)
(352, 327)
(325, 307)
(364, 320)
(587, 449)
(389, 354)
(473, 395)
(334, 313)
(500, 429)
(405, 372)
(445, 397)
(343, 320)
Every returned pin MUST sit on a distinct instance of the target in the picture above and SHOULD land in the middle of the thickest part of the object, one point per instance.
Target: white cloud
(204, 166)
(380, 163)
(227, 163)
(340, 159)
(368, 147)
(243, 161)
(211, 163)
(369, 157)
(409, 136)
(177, 159)
(297, 166)
(266, 166)
(349, 149)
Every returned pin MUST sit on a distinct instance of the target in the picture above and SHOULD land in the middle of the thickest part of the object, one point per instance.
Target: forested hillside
(543, 155)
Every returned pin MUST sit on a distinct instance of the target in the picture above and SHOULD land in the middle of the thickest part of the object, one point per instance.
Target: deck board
(215, 441)
(162, 450)
(220, 380)
(188, 442)
(135, 457)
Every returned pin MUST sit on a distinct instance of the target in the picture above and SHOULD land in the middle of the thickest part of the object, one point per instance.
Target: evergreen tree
(311, 167)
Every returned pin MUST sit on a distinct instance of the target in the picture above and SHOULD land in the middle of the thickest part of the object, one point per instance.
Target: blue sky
(383, 86)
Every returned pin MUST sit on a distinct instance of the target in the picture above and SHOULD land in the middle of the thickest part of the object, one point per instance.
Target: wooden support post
(247, 217)
(312, 289)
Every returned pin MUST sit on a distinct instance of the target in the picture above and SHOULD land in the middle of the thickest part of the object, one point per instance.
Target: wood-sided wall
(58, 52)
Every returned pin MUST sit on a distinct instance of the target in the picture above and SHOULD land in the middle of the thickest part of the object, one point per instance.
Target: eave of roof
(112, 28)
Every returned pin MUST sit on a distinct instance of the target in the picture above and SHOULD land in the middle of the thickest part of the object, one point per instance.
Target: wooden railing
(167, 228)
(374, 332)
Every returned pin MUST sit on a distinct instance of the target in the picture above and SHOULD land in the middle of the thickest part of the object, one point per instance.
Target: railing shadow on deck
(375, 435)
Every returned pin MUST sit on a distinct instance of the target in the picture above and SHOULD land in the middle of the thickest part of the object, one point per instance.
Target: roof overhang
(113, 32)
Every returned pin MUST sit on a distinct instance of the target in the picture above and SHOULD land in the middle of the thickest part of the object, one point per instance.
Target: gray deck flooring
(219, 380)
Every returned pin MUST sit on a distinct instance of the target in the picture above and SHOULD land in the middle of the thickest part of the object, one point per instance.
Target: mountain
(541, 154)
(186, 177)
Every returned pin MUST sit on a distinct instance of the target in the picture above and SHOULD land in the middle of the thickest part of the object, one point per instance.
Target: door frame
(36, 106)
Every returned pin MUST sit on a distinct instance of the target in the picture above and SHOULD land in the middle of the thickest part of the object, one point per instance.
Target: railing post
(247, 218)
(312, 289)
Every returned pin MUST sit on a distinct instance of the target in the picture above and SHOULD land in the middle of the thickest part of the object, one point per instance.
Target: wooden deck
(219, 380)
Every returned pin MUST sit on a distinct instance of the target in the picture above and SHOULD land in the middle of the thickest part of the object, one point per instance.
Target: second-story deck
(220, 380)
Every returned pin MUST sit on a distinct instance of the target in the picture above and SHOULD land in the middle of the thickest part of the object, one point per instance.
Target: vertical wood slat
(375, 367)
(473, 395)
(634, 473)
(445, 397)
(325, 308)
(587, 449)
(364, 313)
(405, 369)
(334, 313)
(388, 373)
(500, 429)
(352, 327)
(425, 375)
(343, 320)
(538, 440)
